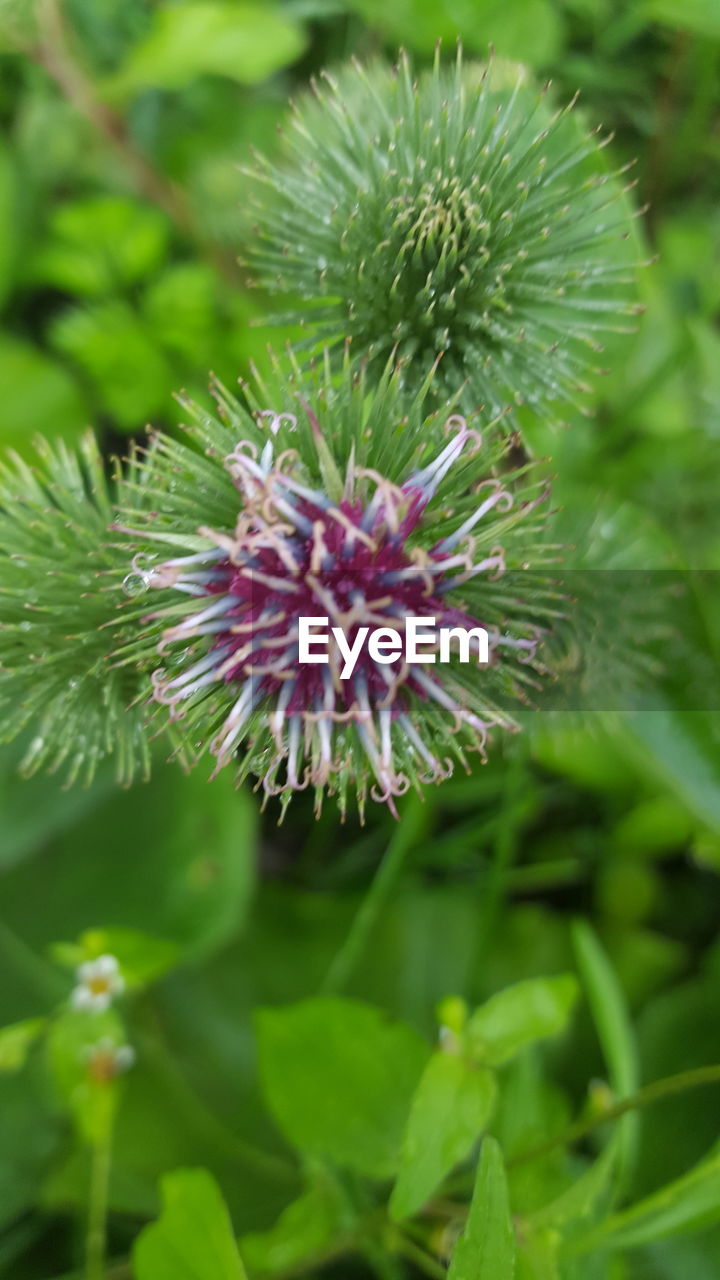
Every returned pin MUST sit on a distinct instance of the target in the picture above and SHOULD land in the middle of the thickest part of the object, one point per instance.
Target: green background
(126, 127)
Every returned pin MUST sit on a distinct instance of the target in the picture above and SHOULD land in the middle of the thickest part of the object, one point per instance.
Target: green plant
(449, 213)
(305, 1099)
(58, 601)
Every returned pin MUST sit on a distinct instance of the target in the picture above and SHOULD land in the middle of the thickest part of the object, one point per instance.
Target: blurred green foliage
(288, 1068)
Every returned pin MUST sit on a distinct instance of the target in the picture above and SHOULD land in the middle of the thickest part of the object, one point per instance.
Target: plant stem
(655, 1092)
(422, 1260)
(53, 53)
(386, 877)
(95, 1241)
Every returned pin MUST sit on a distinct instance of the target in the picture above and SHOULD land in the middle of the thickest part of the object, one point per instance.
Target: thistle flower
(59, 591)
(453, 215)
(337, 502)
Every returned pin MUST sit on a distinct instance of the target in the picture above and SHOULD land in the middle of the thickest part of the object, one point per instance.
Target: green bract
(59, 597)
(455, 215)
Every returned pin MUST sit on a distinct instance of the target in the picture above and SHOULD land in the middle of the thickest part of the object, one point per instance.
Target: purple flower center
(295, 553)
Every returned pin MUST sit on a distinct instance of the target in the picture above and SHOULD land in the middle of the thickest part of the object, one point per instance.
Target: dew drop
(177, 659)
(135, 584)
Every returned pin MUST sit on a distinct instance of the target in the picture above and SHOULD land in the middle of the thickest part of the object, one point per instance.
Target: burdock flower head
(454, 214)
(336, 504)
(58, 606)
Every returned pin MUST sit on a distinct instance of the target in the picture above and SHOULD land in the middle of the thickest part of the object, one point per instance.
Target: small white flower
(448, 1040)
(98, 982)
(106, 1060)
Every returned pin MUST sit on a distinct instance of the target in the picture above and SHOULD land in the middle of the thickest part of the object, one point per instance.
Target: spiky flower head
(454, 215)
(59, 595)
(328, 499)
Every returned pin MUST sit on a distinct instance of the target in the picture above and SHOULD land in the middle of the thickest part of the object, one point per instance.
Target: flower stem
(386, 877)
(53, 53)
(422, 1260)
(655, 1092)
(95, 1240)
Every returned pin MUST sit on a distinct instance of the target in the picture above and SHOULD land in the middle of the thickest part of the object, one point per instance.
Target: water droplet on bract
(25, 626)
(135, 584)
(177, 659)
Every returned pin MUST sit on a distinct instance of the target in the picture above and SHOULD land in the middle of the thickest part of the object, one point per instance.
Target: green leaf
(193, 891)
(486, 1249)
(34, 809)
(518, 1016)
(654, 827)
(37, 396)
(302, 1232)
(193, 1238)
(582, 1197)
(339, 1077)
(699, 16)
(18, 25)
(8, 220)
(682, 749)
(529, 30)
(118, 352)
(615, 1033)
(181, 306)
(531, 1111)
(30, 1136)
(690, 1203)
(451, 1107)
(101, 244)
(16, 1042)
(244, 41)
(142, 959)
(538, 1258)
